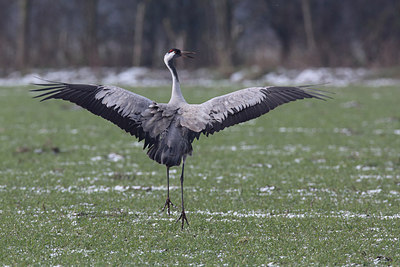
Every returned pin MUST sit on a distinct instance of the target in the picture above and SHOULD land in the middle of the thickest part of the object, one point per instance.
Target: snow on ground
(140, 76)
(335, 76)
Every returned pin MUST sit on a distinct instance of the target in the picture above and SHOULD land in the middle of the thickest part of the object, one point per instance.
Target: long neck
(176, 95)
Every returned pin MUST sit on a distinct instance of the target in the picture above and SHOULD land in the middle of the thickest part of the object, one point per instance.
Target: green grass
(310, 182)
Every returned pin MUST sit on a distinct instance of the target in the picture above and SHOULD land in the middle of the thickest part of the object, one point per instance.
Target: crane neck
(176, 95)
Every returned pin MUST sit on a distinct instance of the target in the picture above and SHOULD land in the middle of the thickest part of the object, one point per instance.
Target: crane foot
(167, 205)
(183, 218)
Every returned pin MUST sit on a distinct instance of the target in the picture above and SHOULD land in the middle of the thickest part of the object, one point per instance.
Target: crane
(168, 129)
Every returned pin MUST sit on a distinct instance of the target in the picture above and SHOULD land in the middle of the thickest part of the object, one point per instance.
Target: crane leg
(168, 202)
(183, 214)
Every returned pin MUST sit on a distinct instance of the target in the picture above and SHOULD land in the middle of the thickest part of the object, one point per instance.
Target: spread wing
(243, 105)
(120, 106)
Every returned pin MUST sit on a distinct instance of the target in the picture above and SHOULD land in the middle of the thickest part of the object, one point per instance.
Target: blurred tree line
(225, 33)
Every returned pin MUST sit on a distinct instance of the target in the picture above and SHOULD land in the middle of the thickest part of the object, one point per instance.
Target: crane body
(168, 129)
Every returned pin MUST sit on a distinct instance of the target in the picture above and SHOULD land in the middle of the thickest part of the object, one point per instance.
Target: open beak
(187, 54)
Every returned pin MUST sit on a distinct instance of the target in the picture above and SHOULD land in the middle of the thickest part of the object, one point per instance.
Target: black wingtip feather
(47, 88)
(273, 97)
(84, 95)
(317, 93)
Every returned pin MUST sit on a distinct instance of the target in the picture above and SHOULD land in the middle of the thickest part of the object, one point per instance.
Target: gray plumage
(168, 130)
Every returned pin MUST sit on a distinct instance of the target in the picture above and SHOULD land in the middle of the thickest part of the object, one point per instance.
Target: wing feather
(120, 106)
(223, 111)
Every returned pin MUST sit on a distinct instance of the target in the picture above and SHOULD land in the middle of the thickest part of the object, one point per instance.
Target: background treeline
(225, 33)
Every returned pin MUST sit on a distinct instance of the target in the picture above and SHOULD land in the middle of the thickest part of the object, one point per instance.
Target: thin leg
(168, 201)
(183, 215)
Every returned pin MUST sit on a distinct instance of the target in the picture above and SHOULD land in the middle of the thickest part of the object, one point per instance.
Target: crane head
(175, 53)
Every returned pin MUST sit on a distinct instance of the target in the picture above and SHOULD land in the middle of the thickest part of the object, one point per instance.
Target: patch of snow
(267, 190)
(38, 151)
(297, 130)
(258, 214)
(350, 104)
(331, 76)
(120, 188)
(372, 192)
(238, 76)
(365, 168)
(114, 157)
(344, 131)
(85, 252)
(375, 176)
(96, 158)
(298, 160)
(141, 76)
(319, 161)
(380, 82)
(55, 252)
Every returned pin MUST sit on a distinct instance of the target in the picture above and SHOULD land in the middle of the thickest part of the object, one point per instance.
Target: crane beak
(187, 54)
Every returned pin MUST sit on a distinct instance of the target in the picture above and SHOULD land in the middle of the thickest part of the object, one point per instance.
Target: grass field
(310, 182)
